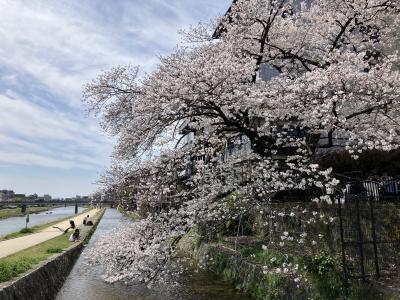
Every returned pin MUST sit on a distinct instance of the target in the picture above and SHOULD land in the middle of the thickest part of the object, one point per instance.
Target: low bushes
(323, 271)
(255, 271)
(27, 230)
(54, 250)
(11, 268)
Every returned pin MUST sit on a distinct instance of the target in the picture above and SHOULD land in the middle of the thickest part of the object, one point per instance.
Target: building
(326, 142)
(239, 145)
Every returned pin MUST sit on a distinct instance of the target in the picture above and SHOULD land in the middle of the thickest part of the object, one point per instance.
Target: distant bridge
(79, 202)
(27, 203)
(75, 203)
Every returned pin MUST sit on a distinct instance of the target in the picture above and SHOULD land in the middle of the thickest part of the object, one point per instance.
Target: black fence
(370, 229)
(383, 189)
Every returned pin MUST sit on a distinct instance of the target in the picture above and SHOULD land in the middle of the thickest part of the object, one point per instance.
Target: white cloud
(57, 46)
(63, 43)
(28, 132)
(48, 50)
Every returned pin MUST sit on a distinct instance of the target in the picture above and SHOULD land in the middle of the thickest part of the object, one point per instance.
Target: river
(17, 223)
(84, 281)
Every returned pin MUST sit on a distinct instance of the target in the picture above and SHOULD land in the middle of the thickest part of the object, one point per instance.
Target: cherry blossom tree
(336, 73)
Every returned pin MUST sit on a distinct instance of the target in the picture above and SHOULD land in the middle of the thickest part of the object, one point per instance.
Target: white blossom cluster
(338, 76)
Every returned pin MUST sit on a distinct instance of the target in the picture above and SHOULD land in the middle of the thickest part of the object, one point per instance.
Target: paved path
(12, 246)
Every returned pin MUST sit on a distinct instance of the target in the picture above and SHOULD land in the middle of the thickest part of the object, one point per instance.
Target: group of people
(75, 236)
(87, 222)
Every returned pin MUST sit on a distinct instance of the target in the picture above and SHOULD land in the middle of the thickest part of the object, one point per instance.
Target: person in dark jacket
(75, 236)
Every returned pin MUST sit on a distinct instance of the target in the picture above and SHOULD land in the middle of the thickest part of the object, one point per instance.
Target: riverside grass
(134, 216)
(20, 262)
(35, 229)
(6, 213)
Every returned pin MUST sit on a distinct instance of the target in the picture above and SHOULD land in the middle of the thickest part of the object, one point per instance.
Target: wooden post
(76, 208)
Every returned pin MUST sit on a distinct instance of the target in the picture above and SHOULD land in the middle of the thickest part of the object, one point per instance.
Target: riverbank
(37, 228)
(15, 224)
(258, 272)
(11, 246)
(245, 269)
(43, 268)
(85, 280)
(132, 215)
(6, 213)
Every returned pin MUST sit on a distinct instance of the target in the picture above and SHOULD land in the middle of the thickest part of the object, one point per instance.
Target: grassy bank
(16, 212)
(37, 228)
(245, 267)
(89, 231)
(133, 215)
(18, 263)
(269, 274)
(25, 260)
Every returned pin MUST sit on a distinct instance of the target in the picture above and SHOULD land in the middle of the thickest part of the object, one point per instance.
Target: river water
(85, 282)
(17, 223)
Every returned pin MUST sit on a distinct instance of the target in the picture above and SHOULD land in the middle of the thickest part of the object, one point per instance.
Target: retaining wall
(45, 280)
(247, 276)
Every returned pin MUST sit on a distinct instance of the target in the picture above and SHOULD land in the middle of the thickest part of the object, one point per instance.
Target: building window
(266, 72)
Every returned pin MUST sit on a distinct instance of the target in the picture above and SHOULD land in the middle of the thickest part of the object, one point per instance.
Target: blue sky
(48, 50)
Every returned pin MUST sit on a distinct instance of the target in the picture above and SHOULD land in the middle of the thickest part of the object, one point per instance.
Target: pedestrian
(75, 236)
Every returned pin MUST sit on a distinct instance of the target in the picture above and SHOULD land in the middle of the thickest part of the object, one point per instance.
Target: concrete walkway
(12, 246)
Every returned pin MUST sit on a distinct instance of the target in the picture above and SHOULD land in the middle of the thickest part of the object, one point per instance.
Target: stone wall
(44, 281)
(247, 276)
